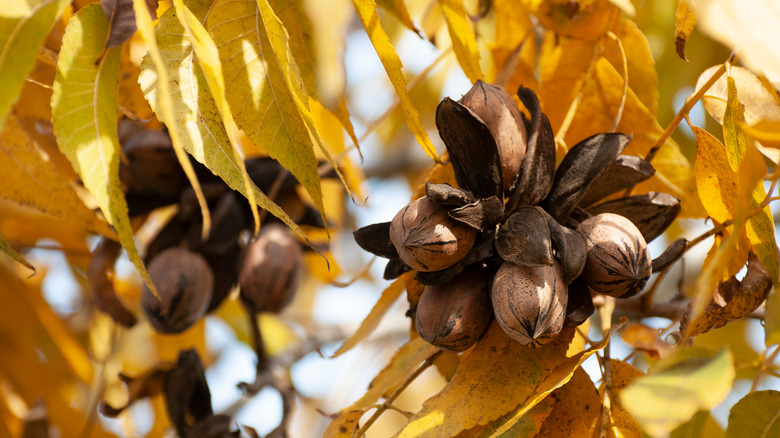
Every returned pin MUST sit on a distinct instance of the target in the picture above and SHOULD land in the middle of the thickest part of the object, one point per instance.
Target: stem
(763, 369)
(384, 406)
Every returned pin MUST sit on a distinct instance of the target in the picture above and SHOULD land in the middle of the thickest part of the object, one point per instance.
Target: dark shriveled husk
(579, 168)
(524, 239)
(394, 268)
(570, 248)
(481, 215)
(651, 213)
(670, 255)
(187, 394)
(536, 175)
(101, 285)
(625, 172)
(580, 304)
(472, 149)
(445, 194)
(375, 238)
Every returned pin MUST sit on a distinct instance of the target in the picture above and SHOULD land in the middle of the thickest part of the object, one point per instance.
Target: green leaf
(84, 114)
(264, 105)
(6, 248)
(202, 135)
(757, 415)
(23, 29)
(687, 383)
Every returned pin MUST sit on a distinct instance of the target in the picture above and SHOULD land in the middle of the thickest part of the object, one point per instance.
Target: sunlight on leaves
(678, 388)
(702, 425)
(84, 113)
(755, 416)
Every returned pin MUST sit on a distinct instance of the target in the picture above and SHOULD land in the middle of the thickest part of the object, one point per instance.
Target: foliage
(138, 123)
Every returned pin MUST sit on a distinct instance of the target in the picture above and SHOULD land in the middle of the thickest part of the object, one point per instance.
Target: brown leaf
(582, 164)
(646, 339)
(670, 255)
(651, 213)
(732, 300)
(146, 385)
(524, 239)
(100, 274)
(683, 26)
(122, 17)
(472, 149)
(536, 175)
(625, 172)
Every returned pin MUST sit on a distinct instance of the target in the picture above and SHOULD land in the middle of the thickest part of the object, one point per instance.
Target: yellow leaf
(745, 159)
(299, 30)
(772, 320)
(528, 425)
(84, 114)
(576, 408)
(398, 9)
(766, 132)
(476, 394)
(759, 99)
(622, 424)
(588, 21)
(37, 183)
(388, 298)
(463, 41)
(513, 27)
(702, 425)
(642, 77)
(755, 416)
(404, 363)
(683, 26)
(131, 97)
(201, 134)
(366, 10)
(715, 179)
(22, 30)
(688, 382)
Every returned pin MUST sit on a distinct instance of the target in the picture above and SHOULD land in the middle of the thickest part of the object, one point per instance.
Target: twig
(671, 310)
(763, 369)
(384, 406)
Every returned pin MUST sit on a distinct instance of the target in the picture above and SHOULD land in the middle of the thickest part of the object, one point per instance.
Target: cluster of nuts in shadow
(194, 276)
(517, 239)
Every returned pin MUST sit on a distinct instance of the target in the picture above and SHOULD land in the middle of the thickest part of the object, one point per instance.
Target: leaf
(84, 114)
(622, 424)
(766, 132)
(685, 19)
(398, 9)
(510, 55)
(166, 113)
(404, 363)
(528, 425)
(37, 183)
(690, 381)
(366, 10)
(715, 179)
(646, 339)
(22, 32)
(201, 134)
(588, 21)
(734, 299)
(208, 60)
(388, 298)
(702, 425)
(265, 104)
(6, 248)
(122, 19)
(463, 42)
(642, 76)
(772, 319)
(577, 406)
(476, 394)
(755, 416)
(759, 99)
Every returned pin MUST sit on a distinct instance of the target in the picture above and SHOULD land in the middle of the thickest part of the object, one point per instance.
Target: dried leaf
(651, 213)
(386, 300)
(404, 363)
(677, 388)
(625, 172)
(121, 17)
(463, 41)
(734, 299)
(84, 114)
(582, 164)
(148, 384)
(186, 391)
(646, 339)
(755, 416)
(536, 176)
(685, 19)
(670, 255)
(481, 215)
(472, 149)
(366, 10)
(22, 32)
(524, 239)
